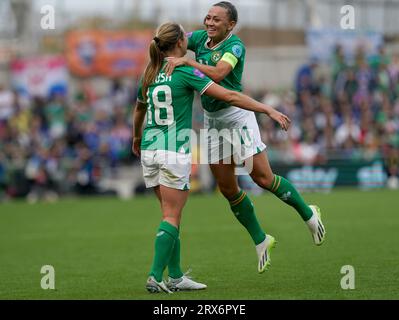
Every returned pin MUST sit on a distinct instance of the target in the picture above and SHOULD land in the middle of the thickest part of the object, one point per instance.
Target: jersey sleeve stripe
(206, 87)
(230, 59)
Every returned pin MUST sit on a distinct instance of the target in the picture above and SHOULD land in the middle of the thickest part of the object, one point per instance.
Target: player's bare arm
(216, 73)
(138, 120)
(245, 102)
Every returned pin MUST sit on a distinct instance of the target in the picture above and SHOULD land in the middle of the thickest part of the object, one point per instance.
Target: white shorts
(237, 134)
(167, 168)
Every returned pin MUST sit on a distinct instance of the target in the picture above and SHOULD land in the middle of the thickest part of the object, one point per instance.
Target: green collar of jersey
(216, 46)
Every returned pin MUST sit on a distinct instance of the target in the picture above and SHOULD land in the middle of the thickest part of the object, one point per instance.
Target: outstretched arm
(245, 102)
(216, 73)
(138, 120)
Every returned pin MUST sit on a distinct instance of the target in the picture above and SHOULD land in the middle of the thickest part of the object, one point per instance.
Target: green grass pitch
(102, 248)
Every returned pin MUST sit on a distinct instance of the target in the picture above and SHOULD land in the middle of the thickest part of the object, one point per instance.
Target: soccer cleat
(153, 286)
(316, 226)
(184, 283)
(263, 250)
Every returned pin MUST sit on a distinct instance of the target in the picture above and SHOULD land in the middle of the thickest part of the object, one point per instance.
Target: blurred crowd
(63, 144)
(66, 144)
(348, 111)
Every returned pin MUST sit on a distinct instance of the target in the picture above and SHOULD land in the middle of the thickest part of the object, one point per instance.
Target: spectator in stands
(338, 62)
(6, 103)
(305, 78)
(348, 133)
(359, 117)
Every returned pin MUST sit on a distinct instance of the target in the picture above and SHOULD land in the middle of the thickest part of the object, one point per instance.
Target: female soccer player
(166, 158)
(220, 55)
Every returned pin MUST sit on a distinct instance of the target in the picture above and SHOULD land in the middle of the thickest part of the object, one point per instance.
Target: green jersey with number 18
(169, 109)
(230, 50)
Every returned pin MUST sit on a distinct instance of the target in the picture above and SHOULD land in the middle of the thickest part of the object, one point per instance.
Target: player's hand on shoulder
(172, 63)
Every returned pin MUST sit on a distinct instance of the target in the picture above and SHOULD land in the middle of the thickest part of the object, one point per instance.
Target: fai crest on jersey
(215, 57)
(237, 50)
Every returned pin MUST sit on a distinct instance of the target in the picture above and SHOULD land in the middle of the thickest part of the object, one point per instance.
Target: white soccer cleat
(263, 250)
(184, 283)
(153, 286)
(316, 226)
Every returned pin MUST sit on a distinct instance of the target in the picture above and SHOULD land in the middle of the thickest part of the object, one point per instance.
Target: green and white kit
(165, 146)
(218, 114)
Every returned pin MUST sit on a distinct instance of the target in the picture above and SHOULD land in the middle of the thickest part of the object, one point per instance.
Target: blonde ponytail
(166, 39)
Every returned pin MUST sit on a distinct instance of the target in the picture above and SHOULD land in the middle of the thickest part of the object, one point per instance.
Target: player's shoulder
(235, 40)
(197, 34)
(188, 71)
(182, 69)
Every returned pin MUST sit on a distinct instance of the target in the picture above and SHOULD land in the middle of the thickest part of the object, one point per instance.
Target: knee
(228, 191)
(264, 181)
(173, 219)
(171, 214)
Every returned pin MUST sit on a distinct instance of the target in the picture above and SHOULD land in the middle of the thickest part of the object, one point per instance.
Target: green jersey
(230, 50)
(169, 109)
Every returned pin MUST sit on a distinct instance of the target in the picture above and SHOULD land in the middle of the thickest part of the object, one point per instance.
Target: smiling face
(218, 24)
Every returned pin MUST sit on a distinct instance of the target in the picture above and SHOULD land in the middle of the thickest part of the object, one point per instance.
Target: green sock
(286, 192)
(174, 262)
(244, 211)
(164, 242)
